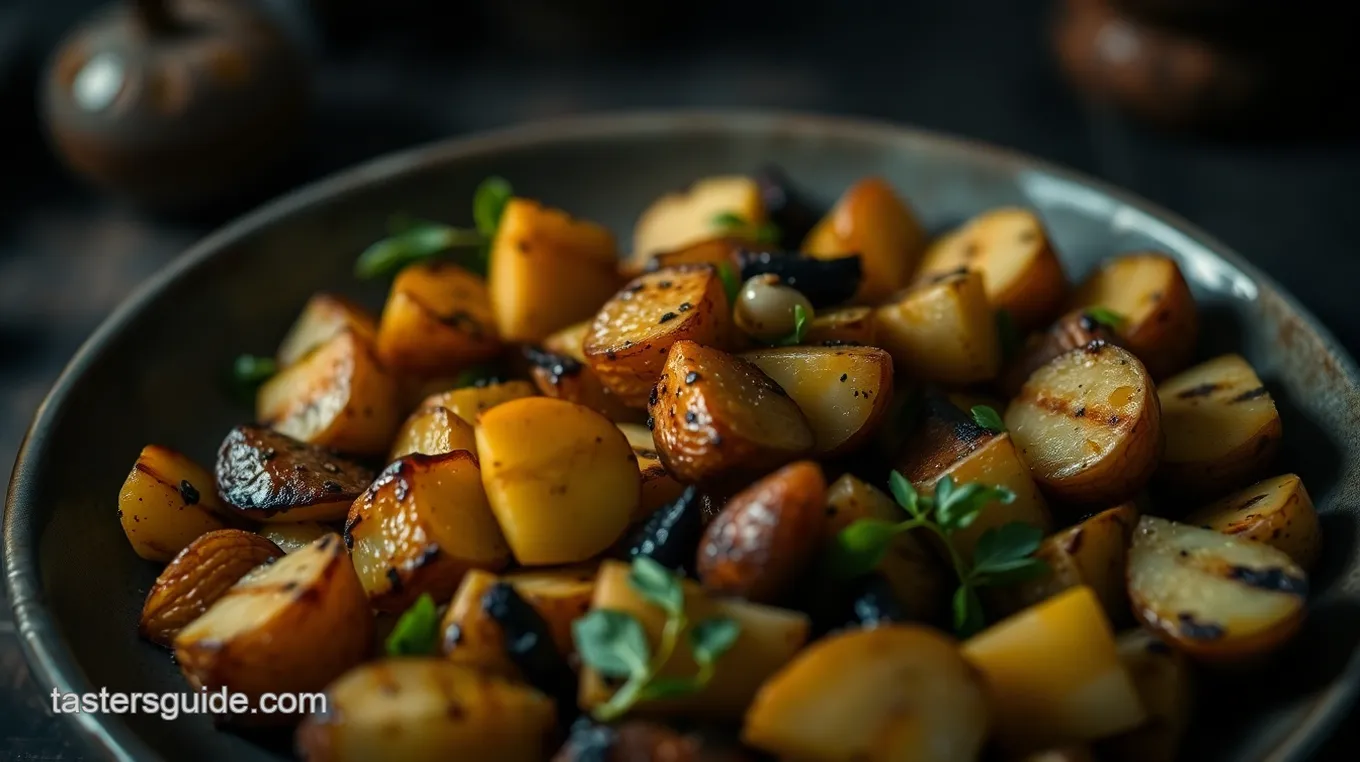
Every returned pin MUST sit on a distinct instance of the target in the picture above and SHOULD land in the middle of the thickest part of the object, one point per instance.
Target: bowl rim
(55, 667)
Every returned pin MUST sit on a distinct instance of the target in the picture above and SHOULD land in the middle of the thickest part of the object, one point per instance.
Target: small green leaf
(968, 616)
(712, 638)
(657, 584)
(419, 241)
(728, 219)
(731, 283)
(612, 643)
(768, 232)
(669, 687)
(417, 631)
(988, 419)
(943, 489)
(905, 494)
(1012, 572)
(858, 548)
(488, 203)
(1008, 334)
(252, 370)
(998, 547)
(1106, 317)
(801, 319)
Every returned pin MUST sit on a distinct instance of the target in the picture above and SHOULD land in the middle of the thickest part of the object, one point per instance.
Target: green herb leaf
(488, 203)
(612, 643)
(858, 548)
(968, 616)
(943, 489)
(728, 219)
(1106, 317)
(252, 370)
(669, 687)
(999, 548)
(904, 493)
(963, 504)
(417, 631)
(768, 232)
(801, 319)
(657, 584)
(731, 283)
(419, 241)
(712, 638)
(988, 418)
(1008, 333)
(1011, 573)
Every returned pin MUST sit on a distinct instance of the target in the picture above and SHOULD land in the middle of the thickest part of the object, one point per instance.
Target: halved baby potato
(627, 344)
(1221, 426)
(1276, 511)
(895, 692)
(559, 370)
(268, 476)
(1147, 291)
(294, 535)
(1162, 677)
(658, 487)
(942, 331)
(1071, 331)
(432, 430)
(715, 414)
(1089, 425)
(845, 326)
(338, 396)
(843, 391)
(695, 214)
(471, 401)
(324, 316)
(1216, 597)
(166, 503)
(437, 320)
(420, 527)
(871, 220)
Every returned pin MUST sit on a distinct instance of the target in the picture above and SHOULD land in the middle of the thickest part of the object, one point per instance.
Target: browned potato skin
(1072, 331)
(871, 220)
(166, 503)
(566, 378)
(765, 536)
(1164, 337)
(714, 251)
(1276, 511)
(852, 326)
(627, 344)
(716, 443)
(324, 316)
(197, 577)
(943, 435)
(268, 476)
(437, 320)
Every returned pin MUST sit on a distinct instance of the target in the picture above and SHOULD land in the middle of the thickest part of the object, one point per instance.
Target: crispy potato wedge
(427, 710)
(1160, 324)
(1054, 675)
(471, 401)
(765, 536)
(843, 391)
(562, 479)
(844, 326)
(1072, 331)
(338, 397)
(268, 476)
(627, 343)
(715, 414)
(1089, 425)
(437, 321)
(769, 637)
(1276, 511)
(1221, 425)
(1163, 679)
(166, 503)
(324, 316)
(691, 216)
(658, 487)
(1010, 248)
(1213, 596)
(896, 692)
(287, 627)
(548, 270)
(197, 577)
(942, 331)
(871, 220)
(293, 536)
(433, 430)
(420, 527)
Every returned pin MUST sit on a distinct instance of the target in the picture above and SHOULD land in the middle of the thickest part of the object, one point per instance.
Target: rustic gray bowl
(152, 373)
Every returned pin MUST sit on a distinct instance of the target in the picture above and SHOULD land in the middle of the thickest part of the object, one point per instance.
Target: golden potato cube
(437, 320)
(942, 331)
(324, 316)
(871, 220)
(691, 216)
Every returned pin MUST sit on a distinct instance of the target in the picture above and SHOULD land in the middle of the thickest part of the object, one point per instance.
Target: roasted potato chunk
(942, 331)
(843, 391)
(1010, 248)
(268, 476)
(1072, 331)
(548, 270)
(1163, 680)
(1221, 425)
(1147, 291)
(711, 251)
(197, 577)
(847, 326)
(627, 344)
(166, 503)
(437, 320)
(871, 220)
(420, 527)
(338, 397)
(423, 709)
(324, 316)
(287, 627)
(561, 479)
(715, 414)
(1213, 596)
(897, 692)
(433, 430)
(471, 401)
(1054, 676)
(560, 370)
(293, 536)
(765, 536)
(693, 215)
(658, 487)
(1276, 511)
(1089, 425)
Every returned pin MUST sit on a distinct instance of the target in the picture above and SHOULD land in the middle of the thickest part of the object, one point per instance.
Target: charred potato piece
(437, 320)
(324, 316)
(1072, 331)
(548, 270)
(564, 377)
(268, 476)
(1010, 248)
(197, 577)
(1276, 511)
(471, 401)
(714, 414)
(1221, 425)
(627, 343)
(562, 479)
(338, 397)
(425, 709)
(898, 692)
(1213, 596)
(658, 488)
(871, 220)
(765, 536)
(293, 536)
(1163, 679)
(287, 627)
(420, 527)
(166, 503)
(847, 326)
(1089, 425)
(690, 216)
(1147, 291)
(843, 391)
(942, 331)
(432, 430)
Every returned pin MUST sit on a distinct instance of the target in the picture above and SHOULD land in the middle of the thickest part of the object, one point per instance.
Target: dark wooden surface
(975, 67)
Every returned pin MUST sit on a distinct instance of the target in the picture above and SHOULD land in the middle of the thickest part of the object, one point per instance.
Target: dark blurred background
(1232, 113)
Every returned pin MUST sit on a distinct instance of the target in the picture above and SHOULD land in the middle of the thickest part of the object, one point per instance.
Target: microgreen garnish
(417, 631)
(1002, 555)
(988, 419)
(614, 643)
(1008, 333)
(801, 319)
(765, 232)
(731, 283)
(249, 371)
(1105, 316)
(410, 240)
